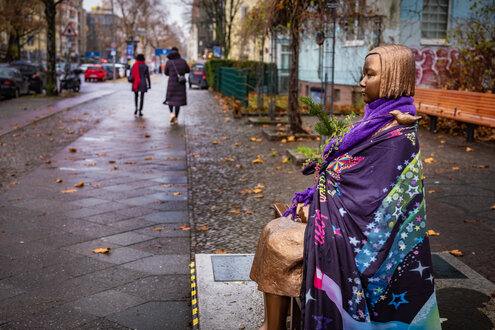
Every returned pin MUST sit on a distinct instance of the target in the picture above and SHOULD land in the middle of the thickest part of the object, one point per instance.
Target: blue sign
(162, 51)
(130, 50)
(92, 54)
(217, 51)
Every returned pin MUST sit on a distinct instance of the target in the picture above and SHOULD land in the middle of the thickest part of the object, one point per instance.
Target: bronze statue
(335, 230)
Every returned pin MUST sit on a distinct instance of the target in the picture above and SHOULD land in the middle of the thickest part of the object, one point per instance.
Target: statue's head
(389, 72)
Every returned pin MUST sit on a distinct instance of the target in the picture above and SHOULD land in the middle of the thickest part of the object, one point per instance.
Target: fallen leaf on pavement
(168, 185)
(68, 191)
(279, 125)
(260, 186)
(291, 139)
(130, 162)
(79, 184)
(111, 161)
(493, 207)
(202, 228)
(158, 228)
(221, 251)
(90, 164)
(102, 250)
(245, 191)
(48, 161)
(216, 142)
(284, 141)
(258, 196)
(70, 132)
(469, 149)
(431, 191)
(228, 160)
(225, 138)
(257, 191)
(249, 212)
(185, 227)
(285, 160)
(456, 168)
(278, 168)
(237, 144)
(443, 141)
(103, 154)
(481, 166)
(431, 232)
(196, 156)
(58, 181)
(147, 135)
(159, 202)
(235, 211)
(242, 179)
(455, 252)
(429, 160)
(176, 194)
(73, 149)
(148, 158)
(257, 160)
(171, 158)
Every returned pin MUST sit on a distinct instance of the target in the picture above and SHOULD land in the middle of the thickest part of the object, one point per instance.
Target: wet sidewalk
(132, 200)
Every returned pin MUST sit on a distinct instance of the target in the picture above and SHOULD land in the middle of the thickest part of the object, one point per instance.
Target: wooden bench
(471, 108)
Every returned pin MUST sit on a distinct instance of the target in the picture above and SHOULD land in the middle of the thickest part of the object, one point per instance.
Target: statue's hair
(398, 71)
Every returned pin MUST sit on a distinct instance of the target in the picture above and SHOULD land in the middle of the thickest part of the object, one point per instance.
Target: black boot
(140, 113)
(135, 112)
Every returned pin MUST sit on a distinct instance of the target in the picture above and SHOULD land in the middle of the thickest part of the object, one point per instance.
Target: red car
(95, 72)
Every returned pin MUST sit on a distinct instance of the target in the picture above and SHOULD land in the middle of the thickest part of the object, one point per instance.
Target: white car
(84, 66)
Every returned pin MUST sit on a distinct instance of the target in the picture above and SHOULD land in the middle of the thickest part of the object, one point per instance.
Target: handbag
(180, 77)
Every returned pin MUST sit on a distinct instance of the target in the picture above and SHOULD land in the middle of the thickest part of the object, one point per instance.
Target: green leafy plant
(334, 129)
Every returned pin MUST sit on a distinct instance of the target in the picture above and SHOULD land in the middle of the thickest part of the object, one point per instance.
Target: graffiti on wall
(432, 65)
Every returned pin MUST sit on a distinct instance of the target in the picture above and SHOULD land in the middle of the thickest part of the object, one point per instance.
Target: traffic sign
(130, 50)
(69, 31)
(113, 44)
(92, 54)
(162, 51)
(113, 52)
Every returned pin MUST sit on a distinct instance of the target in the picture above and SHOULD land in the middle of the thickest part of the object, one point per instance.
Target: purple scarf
(376, 116)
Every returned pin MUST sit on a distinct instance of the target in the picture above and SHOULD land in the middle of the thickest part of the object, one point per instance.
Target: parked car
(109, 69)
(35, 74)
(12, 83)
(198, 76)
(95, 72)
(85, 66)
(120, 68)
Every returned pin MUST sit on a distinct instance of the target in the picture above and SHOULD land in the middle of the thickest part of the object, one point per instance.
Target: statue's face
(371, 80)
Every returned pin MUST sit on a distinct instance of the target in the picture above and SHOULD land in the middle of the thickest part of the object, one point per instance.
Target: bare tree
(51, 50)
(19, 20)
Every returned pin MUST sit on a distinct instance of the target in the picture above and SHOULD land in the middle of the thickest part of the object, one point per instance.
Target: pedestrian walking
(363, 259)
(140, 77)
(176, 68)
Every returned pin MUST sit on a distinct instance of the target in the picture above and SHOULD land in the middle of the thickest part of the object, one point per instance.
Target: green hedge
(250, 66)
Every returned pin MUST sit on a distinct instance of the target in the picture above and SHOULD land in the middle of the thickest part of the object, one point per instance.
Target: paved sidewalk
(133, 201)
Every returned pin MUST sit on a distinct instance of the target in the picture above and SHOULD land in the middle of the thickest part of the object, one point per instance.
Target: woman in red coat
(140, 82)
(176, 68)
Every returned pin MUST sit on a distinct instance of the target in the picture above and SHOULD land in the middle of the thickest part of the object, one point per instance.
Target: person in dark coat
(140, 82)
(176, 91)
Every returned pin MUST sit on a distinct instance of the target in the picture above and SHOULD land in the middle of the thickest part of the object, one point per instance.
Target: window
(353, 24)
(244, 12)
(435, 20)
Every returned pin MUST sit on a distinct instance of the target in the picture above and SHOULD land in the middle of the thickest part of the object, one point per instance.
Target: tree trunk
(294, 115)
(13, 50)
(51, 50)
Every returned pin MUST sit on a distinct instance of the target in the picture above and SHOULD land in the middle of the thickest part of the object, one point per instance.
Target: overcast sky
(175, 7)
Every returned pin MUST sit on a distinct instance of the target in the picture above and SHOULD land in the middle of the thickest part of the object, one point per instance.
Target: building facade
(421, 25)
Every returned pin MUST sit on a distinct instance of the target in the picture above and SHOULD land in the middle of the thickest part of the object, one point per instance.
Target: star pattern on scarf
(397, 303)
(322, 322)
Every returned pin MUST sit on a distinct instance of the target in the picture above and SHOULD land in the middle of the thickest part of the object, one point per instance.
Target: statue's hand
(303, 212)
